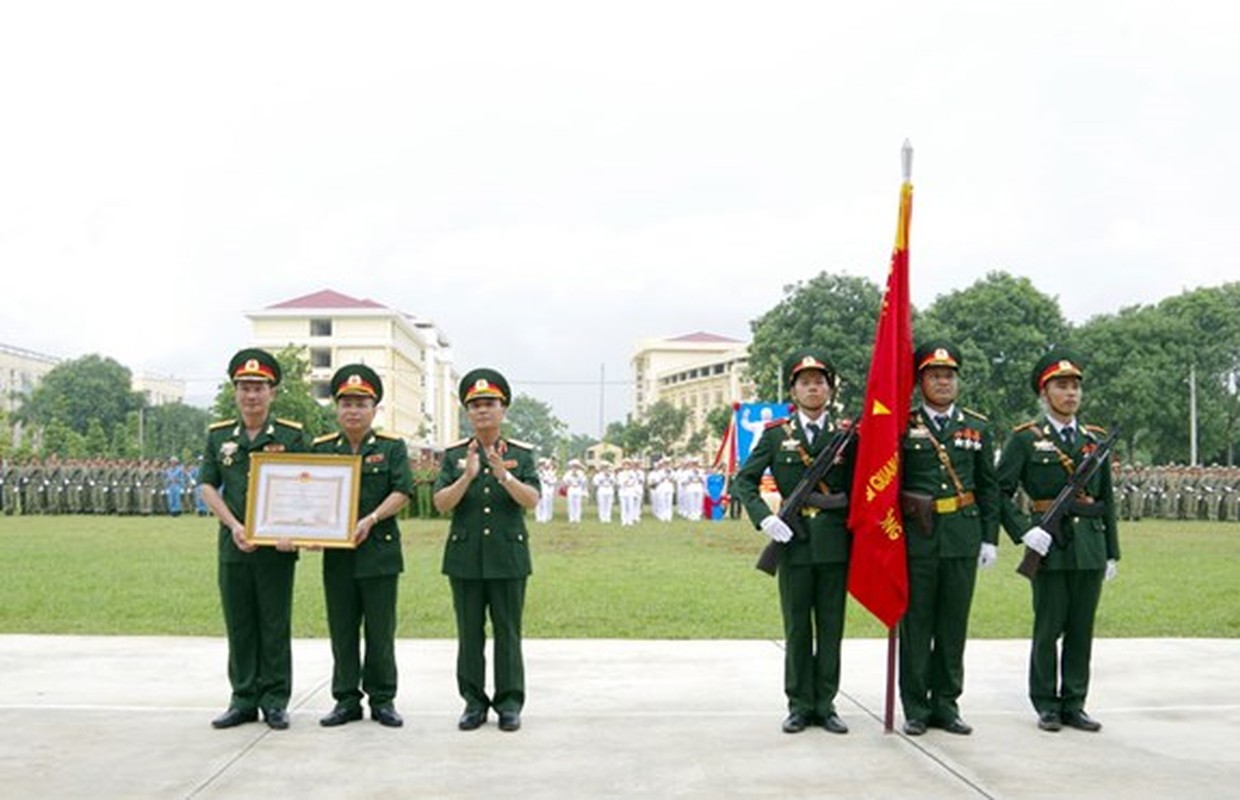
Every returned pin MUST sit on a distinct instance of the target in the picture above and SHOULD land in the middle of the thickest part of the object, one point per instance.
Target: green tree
(836, 313)
(631, 436)
(293, 400)
(531, 420)
(665, 425)
(1002, 325)
(62, 440)
(575, 446)
(718, 420)
(75, 393)
(174, 429)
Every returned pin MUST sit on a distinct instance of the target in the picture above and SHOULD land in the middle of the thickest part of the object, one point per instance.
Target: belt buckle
(945, 505)
(809, 512)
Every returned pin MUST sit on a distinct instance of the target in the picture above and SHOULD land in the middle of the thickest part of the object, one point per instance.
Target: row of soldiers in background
(686, 490)
(147, 487)
(1178, 492)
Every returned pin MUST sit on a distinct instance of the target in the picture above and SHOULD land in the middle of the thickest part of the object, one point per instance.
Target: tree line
(1138, 363)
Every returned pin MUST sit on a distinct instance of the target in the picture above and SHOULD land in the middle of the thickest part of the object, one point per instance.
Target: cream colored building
(160, 390)
(697, 371)
(20, 371)
(412, 357)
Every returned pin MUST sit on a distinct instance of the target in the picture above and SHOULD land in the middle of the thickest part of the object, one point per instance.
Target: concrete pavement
(86, 716)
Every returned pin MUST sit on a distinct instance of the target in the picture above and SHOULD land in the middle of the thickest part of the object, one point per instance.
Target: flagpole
(906, 171)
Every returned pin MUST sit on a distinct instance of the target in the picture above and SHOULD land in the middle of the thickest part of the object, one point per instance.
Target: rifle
(806, 494)
(1052, 520)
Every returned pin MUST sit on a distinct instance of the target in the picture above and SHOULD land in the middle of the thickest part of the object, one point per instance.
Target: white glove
(988, 555)
(1112, 569)
(1038, 540)
(776, 528)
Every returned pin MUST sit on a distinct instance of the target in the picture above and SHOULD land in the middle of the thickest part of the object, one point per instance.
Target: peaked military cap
(359, 380)
(808, 359)
(936, 353)
(483, 382)
(1055, 364)
(253, 364)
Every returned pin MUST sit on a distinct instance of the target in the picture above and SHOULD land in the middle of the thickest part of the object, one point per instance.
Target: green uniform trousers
(471, 600)
(257, 597)
(1064, 602)
(811, 597)
(932, 637)
(354, 604)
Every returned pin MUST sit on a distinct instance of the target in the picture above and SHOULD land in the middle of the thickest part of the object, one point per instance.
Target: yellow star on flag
(879, 409)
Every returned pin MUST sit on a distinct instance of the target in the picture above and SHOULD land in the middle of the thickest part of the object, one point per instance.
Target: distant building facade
(698, 371)
(159, 390)
(412, 357)
(20, 372)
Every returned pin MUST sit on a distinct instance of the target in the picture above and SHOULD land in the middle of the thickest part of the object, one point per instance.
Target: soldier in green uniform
(256, 583)
(813, 565)
(1039, 457)
(360, 584)
(949, 477)
(487, 482)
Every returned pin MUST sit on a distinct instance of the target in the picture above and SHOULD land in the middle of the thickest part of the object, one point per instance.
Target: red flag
(877, 572)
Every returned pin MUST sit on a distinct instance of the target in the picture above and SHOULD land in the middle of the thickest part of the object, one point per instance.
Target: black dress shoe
(340, 715)
(385, 716)
(277, 718)
(1049, 721)
(1081, 721)
(471, 720)
(914, 727)
(834, 724)
(957, 726)
(794, 723)
(510, 721)
(234, 717)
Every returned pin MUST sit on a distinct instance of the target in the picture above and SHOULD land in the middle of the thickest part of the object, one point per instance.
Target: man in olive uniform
(256, 583)
(487, 482)
(1040, 457)
(813, 564)
(949, 476)
(360, 584)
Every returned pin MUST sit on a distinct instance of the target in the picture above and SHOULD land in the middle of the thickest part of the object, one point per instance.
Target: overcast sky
(550, 182)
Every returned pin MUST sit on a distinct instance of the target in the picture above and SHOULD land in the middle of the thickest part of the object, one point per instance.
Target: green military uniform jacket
(1037, 460)
(488, 538)
(385, 468)
(226, 466)
(968, 445)
(819, 539)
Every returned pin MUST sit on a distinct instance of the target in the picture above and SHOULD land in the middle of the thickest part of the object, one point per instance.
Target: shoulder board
(775, 423)
(327, 437)
(385, 435)
(1096, 429)
(522, 445)
(460, 442)
(1033, 423)
(289, 423)
(224, 423)
(976, 414)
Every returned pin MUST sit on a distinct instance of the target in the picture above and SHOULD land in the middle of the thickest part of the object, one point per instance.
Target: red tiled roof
(327, 299)
(702, 336)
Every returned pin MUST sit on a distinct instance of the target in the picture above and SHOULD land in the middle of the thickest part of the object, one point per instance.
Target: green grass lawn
(109, 575)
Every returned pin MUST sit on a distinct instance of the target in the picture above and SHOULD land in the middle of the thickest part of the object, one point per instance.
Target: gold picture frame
(310, 498)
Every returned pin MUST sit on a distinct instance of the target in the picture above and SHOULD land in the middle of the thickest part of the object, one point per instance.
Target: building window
(320, 327)
(320, 358)
(321, 390)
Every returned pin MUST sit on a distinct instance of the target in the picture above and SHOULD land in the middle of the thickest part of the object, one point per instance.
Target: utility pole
(1192, 415)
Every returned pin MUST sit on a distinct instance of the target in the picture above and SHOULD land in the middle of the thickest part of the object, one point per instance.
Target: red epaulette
(775, 423)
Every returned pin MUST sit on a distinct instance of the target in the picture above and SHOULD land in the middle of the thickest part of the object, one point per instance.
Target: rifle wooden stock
(1030, 563)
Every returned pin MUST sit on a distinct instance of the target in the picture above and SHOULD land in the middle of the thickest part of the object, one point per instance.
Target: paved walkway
(129, 717)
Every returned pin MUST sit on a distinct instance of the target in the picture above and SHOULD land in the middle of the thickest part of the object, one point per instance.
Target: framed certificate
(310, 498)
